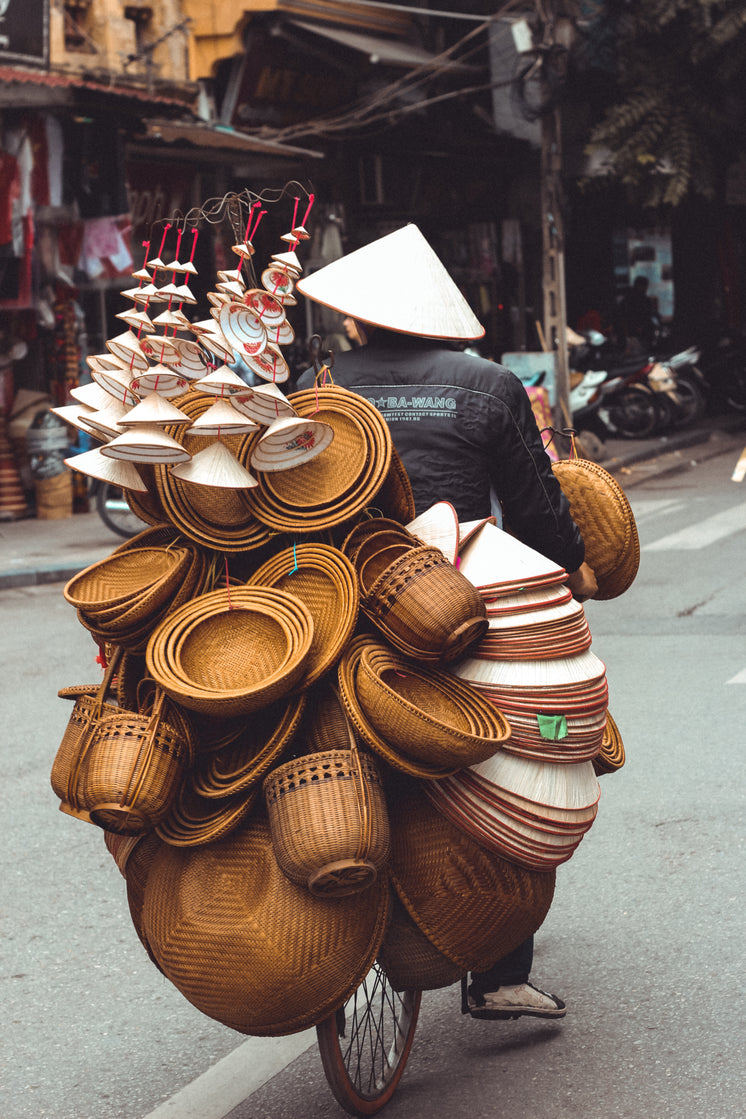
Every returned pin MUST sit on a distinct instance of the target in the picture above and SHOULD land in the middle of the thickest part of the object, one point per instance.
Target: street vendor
(465, 432)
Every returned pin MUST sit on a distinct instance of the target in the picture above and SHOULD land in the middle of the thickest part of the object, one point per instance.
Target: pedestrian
(465, 432)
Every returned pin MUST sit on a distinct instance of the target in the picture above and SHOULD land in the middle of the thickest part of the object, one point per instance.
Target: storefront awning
(15, 81)
(388, 52)
(211, 136)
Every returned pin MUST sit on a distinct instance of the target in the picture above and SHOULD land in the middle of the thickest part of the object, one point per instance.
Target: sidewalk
(34, 552)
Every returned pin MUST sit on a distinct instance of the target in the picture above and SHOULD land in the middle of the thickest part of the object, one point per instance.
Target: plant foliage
(680, 68)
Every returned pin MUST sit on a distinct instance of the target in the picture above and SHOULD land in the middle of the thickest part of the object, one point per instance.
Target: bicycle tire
(114, 511)
(366, 1043)
(691, 403)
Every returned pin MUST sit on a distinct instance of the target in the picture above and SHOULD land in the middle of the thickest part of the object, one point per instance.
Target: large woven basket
(425, 607)
(329, 822)
(603, 514)
(473, 905)
(248, 947)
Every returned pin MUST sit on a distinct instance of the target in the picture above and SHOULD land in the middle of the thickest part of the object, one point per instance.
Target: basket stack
(316, 742)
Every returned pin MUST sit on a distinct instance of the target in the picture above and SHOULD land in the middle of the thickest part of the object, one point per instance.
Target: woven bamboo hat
(600, 509)
(473, 905)
(396, 282)
(248, 947)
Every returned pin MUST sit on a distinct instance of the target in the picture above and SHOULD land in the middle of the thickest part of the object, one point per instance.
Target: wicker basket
(426, 713)
(328, 819)
(133, 771)
(425, 607)
(410, 961)
(601, 510)
(68, 767)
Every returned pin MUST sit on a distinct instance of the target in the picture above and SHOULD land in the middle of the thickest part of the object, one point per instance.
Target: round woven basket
(328, 820)
(194, 820)
(243, 763)
(473, 905)
(232, 652)
(410, 961)
(340, 482)
(248, 947)
(324, 580)
(600, 509)
(347, 673)
(428, 714)
(425, 607)
(117, 580)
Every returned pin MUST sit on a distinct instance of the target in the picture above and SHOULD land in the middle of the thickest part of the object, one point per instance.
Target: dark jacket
(462, 424)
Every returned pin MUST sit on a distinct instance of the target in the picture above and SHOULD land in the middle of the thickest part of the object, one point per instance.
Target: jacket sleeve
(534, 507)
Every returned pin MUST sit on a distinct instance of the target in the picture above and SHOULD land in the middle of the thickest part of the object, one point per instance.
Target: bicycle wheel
(364, 1046)
(112, 508)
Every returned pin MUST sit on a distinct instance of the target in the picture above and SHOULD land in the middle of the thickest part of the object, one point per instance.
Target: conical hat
(146, 443)
(215, 466)
(91, 395)
(396, 282)
(493, 558)
(154, 409)
(221, 416)
(118, 472)
(74, 414)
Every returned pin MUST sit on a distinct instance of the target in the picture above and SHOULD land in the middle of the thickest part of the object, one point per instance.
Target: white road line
(224, 1086)
(654, 507)
(703, 533)
(739, 678)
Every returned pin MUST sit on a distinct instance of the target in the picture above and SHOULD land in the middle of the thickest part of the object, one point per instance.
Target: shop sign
(24, 30)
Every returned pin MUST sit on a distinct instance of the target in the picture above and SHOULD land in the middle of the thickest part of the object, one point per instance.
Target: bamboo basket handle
(87, 735)
(148, 746)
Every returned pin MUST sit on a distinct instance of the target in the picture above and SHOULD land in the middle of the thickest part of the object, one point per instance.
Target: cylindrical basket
(328, 821)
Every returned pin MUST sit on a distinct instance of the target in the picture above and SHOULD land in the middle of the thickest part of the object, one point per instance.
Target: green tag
(552, 726)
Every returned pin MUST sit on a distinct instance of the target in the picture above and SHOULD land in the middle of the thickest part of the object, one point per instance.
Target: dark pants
(510, 970)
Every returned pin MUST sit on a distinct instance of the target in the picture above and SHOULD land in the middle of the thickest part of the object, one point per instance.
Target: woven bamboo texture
(410, 961)
(426, 713)
(612, 755)
(474, 906)
(248, 947)
(602, 512)
(324, 580)
(329, 822)
(425, 607)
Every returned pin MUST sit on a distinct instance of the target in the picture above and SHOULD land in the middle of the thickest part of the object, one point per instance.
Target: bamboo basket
(328, 820)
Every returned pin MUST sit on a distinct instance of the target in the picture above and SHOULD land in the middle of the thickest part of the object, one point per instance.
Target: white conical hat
(146, 443)
(97, 465)
(91, 395)
(154, 409)
(74, 414)
(215, 466)
(222, 417)
(493, 558)
(398, 283)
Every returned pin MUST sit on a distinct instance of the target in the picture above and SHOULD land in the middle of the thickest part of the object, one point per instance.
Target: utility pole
(553, 261)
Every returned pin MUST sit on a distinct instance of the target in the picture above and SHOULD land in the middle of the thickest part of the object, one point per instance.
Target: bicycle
(366, 1043)
(114, 510)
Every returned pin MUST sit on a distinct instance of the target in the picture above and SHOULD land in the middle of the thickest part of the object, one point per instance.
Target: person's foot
(515, 1002)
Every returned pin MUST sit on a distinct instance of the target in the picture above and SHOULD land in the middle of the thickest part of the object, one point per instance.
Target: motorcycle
(680, 387)
(611, 401)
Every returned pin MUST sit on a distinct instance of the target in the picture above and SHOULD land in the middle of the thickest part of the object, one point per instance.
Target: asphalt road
(644, 939)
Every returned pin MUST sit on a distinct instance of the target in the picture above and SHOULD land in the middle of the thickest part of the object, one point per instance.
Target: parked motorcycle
(609, 401)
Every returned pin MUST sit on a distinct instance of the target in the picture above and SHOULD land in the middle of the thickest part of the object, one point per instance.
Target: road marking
(703, 533)
(644, 508)
(228, 1083)
(739, 678)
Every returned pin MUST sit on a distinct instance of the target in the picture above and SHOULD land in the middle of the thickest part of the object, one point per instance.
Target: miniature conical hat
(396, 282)
(91, 395)
(291, 442)
(221, 416)
(139, 319)
(74, 414)
(215, 466)
(161, 379)
(97, 465)
(154, 409)
(146, 443)
(263, 403)
(493, 558)
(127, 347)
(220, 381)
(107, 420)
(438, 526)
